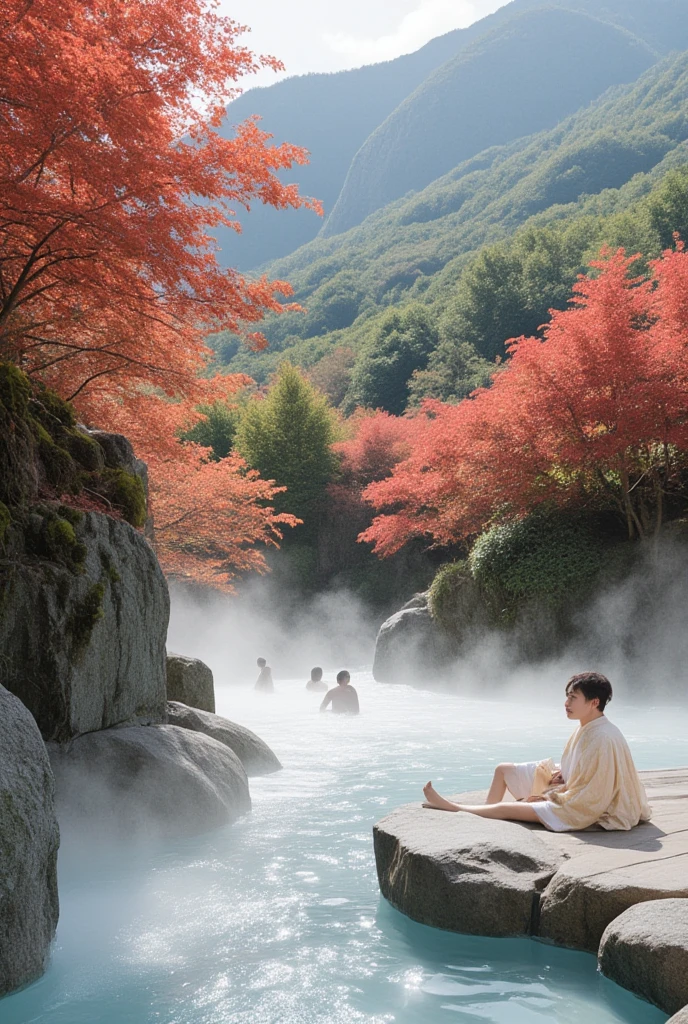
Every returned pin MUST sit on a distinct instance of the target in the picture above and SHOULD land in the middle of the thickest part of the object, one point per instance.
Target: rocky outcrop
(462, 873)
(29, 839)
(190, 682)
(645, 950)
(84, 644)
(147, 782)
(410, 647)
(467, 874)
(254, 754)
(680, 1018)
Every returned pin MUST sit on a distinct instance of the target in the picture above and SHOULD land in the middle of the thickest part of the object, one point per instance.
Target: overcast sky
(321, 35)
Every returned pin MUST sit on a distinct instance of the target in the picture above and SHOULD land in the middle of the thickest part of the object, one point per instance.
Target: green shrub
(455, 601)
(544, 556)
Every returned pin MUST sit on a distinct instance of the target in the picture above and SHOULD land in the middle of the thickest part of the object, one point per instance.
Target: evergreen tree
(400, 345)
(287, 436)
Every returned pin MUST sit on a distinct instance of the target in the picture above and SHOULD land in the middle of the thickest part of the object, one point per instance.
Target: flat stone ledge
(477, 876)
(646, 950)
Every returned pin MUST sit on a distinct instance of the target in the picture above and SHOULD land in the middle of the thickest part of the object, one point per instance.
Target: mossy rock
(453, 596)
(126, 493)
(17, 470)
(87, 613)
(5, 521)
(84, 450)
(51, 535)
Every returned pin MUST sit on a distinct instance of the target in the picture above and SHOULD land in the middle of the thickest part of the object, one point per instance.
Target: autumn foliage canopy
(594, 414)
(112, 173)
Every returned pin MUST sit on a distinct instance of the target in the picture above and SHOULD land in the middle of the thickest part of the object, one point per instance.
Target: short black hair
(262, 662)
(316, 674)
(343, 676)
(592, 685)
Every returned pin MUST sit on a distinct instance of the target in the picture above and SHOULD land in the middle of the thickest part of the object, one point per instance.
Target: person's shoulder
(353, 689)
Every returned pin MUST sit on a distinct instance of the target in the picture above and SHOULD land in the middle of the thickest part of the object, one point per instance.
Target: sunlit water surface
(278, 919)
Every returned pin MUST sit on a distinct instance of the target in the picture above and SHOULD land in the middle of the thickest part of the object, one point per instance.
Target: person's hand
(557, 779)
(534, 799)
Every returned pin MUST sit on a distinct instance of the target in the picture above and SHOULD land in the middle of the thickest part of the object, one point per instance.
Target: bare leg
(503, 812)
(498, 787)
(500, 811)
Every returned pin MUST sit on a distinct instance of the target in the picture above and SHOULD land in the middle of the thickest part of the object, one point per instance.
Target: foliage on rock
(546, 557)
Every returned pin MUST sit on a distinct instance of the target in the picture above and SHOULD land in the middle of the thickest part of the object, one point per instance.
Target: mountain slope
(518, 79)
(331, 115)
(417, 247)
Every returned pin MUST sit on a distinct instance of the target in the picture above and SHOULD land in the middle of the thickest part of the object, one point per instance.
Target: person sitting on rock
(342, 697)
(264, 681)
(316, 681)
(596, 784)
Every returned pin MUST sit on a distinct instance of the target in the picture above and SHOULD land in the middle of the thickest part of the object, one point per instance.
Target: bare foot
(435, 801)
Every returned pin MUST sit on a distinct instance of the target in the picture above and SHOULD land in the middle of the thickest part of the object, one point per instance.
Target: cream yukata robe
(602, 786)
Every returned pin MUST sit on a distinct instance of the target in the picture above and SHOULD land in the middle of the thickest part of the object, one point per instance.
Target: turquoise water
(278, 919)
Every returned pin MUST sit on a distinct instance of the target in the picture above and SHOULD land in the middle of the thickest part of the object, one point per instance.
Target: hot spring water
(278, 919)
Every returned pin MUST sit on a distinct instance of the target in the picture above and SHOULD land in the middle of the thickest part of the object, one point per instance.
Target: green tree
(217, 430)
(399, 345)
(287, 436)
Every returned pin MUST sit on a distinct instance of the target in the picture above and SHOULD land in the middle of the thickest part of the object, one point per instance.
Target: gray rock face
(461, 872)
(680, 1018)
(87, 651)
(469, 874)
(147, 782)
(29, 838)
(646, 951)
(119, 454)
(190, 682)
(254, 754)
(409, 645)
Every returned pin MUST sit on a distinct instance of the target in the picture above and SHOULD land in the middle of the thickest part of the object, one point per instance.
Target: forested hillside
(333, 115)
(516, 80)
(570, 185)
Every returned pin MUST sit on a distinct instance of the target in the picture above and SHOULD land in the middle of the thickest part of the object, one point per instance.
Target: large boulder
(255, 755)
(680, 1018)
(476, 875)
(82, 630)
(29, 838)
(147, 782)
(599, 883)
(190, 682)
(410, 647)
(645, 950)
(461, 872)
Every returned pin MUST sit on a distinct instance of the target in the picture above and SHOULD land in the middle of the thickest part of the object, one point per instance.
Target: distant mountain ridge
(333, 114)
(518, 79)
(418, 247)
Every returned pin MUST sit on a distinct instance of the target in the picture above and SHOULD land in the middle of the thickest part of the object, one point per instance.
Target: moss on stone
(126, 492)
(52, 536)
(109, 568)
(17, 448)
(84, 450)
(47, 404)
(85, 616)
(5, 520)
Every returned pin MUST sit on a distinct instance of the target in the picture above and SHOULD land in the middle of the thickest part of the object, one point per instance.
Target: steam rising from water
(635, 631)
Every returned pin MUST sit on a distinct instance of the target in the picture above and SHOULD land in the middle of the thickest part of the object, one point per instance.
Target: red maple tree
(113, 173)
(595, 412)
